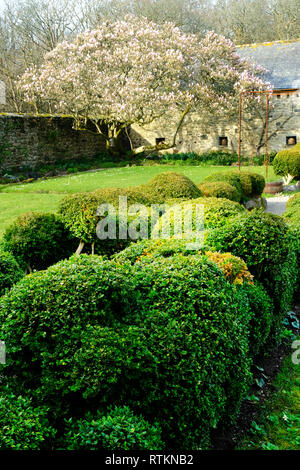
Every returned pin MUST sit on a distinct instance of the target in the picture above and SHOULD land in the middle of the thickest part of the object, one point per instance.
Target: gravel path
(277, 205)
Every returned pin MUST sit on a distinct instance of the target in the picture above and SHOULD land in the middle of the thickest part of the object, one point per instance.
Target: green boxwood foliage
(38, 240)
(262, 309)
(292, 213)
(248, 184)
(258, 183)
(170, 185)
(287, 162)
(119, 429)
(175, 339)
(42, 322)
(264, 242)
(230, 177)
(168, 338)
(216, 213)
(79, 214)
(111, 196)
(10, 271)
(253, 184)
(292, 218)
(23, 426)
(153, 249)
(220, 189)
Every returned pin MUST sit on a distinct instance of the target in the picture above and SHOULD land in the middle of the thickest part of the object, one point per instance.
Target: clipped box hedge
(148, 336)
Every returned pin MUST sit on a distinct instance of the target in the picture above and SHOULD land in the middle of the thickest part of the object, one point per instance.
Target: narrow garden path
(277, 205)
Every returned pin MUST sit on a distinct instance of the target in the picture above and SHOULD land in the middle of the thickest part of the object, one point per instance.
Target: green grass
(279, 425)
(44, 195)
(13, 205)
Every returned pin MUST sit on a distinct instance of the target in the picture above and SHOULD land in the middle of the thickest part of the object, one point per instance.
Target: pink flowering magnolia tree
(134, 72)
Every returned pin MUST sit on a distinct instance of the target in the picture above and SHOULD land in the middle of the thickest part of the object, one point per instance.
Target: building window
(223, 141)
(160, 140)
(291, 140)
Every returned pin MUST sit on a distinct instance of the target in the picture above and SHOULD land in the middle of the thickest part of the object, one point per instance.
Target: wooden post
(240, 130)
(267, 130)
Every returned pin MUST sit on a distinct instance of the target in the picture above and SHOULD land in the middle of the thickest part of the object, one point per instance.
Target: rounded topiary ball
(38, 240)
(287, 162)
(220, 189)
(170, 185)
(230, 177)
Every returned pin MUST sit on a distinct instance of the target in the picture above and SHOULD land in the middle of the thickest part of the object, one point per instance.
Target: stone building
(282, 61)
(33, 139)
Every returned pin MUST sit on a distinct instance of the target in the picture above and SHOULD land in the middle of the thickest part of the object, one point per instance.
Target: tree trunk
(93, 248)
(80, 247)
(114, 145)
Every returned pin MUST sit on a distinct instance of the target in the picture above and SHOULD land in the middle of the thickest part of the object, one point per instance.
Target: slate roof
(280, 58)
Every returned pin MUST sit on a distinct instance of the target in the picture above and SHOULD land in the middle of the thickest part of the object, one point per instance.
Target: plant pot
(273, 187)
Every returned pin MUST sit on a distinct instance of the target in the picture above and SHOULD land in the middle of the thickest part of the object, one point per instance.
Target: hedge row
(269, 249)
(147, 330)
(246, 184)
(39, 240)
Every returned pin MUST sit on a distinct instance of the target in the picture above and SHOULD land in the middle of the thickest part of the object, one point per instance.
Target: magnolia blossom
(135, 71)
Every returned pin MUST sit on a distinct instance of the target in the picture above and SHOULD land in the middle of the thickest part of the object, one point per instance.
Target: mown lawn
(279, 425)
(44, 195)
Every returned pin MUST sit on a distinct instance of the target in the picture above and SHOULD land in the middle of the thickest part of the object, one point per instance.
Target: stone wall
(26, 140)
(201, 135)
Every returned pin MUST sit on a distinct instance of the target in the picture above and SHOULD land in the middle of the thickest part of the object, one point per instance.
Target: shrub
(10, 271)
(258, 183)
(79, 214)
(260, 159)
(42, 321)
(220, 189)
(247, 183)
(215, 157)
(287, 162)
(165, 248)
(170, 185)
(22, 425)
(183, 309)
(216, 213)
(292, 213)
(170, 340)
(262, 309)
(230, 177)
(264, 242)
(119, 429)
(111, 196)
(234, 269)
(38, 240)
